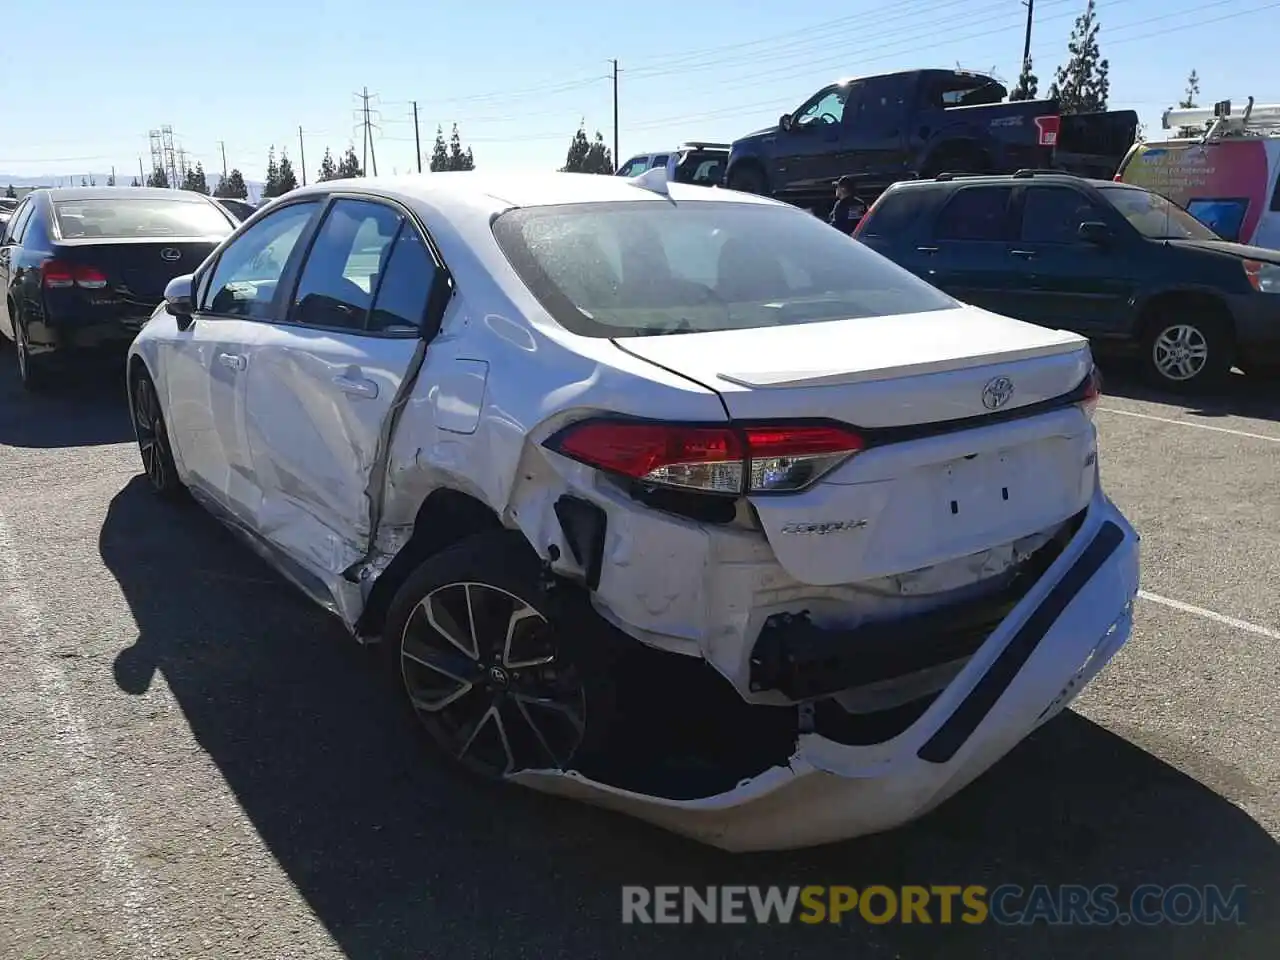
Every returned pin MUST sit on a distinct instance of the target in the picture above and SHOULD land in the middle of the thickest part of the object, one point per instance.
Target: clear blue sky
(85, 81)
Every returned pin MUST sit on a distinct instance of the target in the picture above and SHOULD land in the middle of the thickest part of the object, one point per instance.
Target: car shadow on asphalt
(400, 857)
(86, 405)
(1239, 396)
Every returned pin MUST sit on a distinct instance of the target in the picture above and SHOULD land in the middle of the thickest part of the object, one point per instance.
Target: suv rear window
(894, 212)
(644, 267)
(975, 213)
(141, 217)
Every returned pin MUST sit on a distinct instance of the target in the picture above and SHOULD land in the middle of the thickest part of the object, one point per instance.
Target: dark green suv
(1116, 263)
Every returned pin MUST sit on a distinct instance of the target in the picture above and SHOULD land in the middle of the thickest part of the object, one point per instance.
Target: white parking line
(29, 657)
(1185, 423)
(1244, 625)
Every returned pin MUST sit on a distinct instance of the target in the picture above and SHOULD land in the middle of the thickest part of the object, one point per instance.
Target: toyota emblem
(171, 254)
(997, 393)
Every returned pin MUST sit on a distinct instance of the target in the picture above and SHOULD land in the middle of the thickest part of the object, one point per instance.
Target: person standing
(848, 209)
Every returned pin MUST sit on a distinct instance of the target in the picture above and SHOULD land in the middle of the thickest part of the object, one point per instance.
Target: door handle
(356, 386)
(1025, 254)
(926, 249)
(232, 360)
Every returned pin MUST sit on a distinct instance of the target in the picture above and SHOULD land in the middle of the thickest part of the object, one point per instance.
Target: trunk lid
(136, 272)
(926, 490)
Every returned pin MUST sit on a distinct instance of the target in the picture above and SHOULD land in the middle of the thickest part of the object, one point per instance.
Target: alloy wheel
(1180, 352)
(153, 442)
(483, 673)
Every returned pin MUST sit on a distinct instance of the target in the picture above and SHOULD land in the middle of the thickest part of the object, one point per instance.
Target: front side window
(1155, 217)
(826, 108)
(634, 167)
(247, 273)
(140, 218)
(651, 267)
(341, 273)
(1224, 217)
(18, 222)
(1054, 215)
(975, 213)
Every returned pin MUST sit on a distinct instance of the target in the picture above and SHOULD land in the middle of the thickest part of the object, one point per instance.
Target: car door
(1063, 281)
(9, 252)
(873, 141)
(321, 385)
(808, 151)
(966, 250)
(204, 365)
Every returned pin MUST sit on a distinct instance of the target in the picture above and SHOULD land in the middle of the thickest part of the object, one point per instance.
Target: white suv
(672, 500)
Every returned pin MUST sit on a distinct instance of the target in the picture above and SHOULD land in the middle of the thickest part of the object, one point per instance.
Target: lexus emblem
(171, 254)
(997, 393)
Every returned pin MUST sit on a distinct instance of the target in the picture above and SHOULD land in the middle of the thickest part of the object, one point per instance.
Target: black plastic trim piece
(584, 525)
(951, 736)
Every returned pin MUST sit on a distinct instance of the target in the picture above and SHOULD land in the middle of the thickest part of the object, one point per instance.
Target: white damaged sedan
(671, 500)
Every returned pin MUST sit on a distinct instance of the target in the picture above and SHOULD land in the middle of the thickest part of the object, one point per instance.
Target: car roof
(457, 192)
(1001, 179)
(128, 193)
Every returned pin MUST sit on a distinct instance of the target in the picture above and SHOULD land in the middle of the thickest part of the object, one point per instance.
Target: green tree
(158, 178)
(195, 180)
(599, 157)
(11, 193)
(458, 158)
(575, 160)
(271, 188)
(328, 169)
(439, 153)
(232, 186)
(1083, 83)
(286, 180)
(1028, 84)
(349, 165)
(1189, 100)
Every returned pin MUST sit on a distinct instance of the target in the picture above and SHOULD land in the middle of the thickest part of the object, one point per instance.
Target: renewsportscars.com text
(1008, 904)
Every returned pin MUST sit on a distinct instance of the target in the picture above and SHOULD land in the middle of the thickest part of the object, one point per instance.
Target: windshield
(1155, 217)
(138, 218)
(641, 268)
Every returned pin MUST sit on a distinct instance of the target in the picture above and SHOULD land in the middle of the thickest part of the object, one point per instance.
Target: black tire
(33, 371)
(1187, 352)
(551, 713)
(153, 437)
(747, 178)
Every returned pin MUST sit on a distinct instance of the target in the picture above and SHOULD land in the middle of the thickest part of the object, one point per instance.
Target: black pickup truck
(919, 123)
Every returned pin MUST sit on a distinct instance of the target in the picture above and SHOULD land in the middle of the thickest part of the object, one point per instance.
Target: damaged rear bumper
(1064, 630)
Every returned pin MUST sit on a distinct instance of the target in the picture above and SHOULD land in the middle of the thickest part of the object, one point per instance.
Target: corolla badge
(997, 393)
(170, 254)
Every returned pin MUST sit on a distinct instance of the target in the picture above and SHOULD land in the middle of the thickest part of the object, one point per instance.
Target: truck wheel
(747, 179)
(502, 677)
(1186, 352)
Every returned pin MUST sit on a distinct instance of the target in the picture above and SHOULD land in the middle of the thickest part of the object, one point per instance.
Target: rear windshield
(1155, 217)
(655, 267)
(126, 218)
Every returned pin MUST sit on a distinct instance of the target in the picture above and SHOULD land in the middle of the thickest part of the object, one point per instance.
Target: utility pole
(364, 97)
(113, 175)
(223, 147)
(302, 156)
(142, 177)
(1026, 44)
(616, 161)
(417, 143)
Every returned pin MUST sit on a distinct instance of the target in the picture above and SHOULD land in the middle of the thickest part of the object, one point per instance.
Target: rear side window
(18, 225)
(894, 213)
(405, 285)
(139, 218)
(975, 213)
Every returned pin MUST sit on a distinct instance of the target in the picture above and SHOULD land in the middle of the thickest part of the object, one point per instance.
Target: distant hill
(23, 183)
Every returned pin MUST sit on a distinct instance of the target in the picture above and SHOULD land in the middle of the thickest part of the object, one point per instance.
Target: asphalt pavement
(196, 763)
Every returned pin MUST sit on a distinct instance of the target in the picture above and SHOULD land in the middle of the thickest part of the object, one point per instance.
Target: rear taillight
(759, 458)
(1092, 392)
(58, 275)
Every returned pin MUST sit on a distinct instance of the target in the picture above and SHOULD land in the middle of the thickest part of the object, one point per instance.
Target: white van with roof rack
(694, 161)
(1225, 173)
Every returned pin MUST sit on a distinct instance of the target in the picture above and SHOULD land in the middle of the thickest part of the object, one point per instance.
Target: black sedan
(84, 267)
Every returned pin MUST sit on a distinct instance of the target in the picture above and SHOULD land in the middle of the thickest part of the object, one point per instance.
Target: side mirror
(1094, 232)
(784, 121)
(177, 299)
